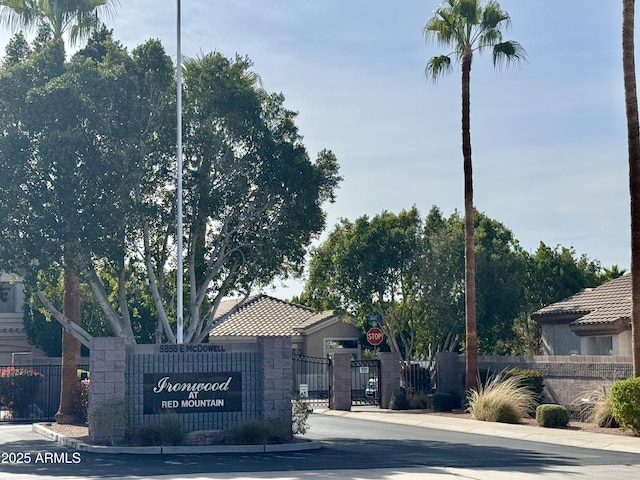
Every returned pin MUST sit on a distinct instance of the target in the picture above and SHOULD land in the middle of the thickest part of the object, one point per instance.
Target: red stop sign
(375, 336)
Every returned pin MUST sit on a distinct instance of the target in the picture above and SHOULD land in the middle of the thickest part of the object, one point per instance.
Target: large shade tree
(369, 266)
(469, 26)
(77, 19)
(88, 152)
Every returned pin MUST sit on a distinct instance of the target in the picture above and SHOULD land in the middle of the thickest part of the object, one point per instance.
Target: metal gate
(365, 384)
(311, 379)
(30, 392)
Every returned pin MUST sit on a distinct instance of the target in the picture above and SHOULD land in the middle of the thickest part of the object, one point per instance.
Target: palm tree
(77, 18)
(469, 26)
(633, 143)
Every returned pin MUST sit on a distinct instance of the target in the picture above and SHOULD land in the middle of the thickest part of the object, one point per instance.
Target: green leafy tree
(551, 274)
(369, 266)
(54, 18)
(89, 143)
(469, 26)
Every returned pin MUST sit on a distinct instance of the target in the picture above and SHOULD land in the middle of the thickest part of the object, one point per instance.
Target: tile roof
(605, 304)
(261, 315)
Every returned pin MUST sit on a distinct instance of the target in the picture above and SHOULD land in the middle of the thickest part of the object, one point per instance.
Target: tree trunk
(70, 350)
(633, 142)
(471, 347)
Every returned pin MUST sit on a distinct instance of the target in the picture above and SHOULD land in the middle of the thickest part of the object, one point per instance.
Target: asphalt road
(349, 446)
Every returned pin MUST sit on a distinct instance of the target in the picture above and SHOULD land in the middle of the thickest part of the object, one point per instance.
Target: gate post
(340, 382)
(389, 381)
(107, 409)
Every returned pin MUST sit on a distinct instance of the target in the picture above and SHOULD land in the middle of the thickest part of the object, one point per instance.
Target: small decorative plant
(18, 387)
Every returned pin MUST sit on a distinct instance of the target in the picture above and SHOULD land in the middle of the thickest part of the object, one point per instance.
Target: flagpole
(179, 271)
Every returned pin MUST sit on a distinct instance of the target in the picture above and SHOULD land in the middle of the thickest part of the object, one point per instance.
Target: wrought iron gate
(311, 379)
(365, 383)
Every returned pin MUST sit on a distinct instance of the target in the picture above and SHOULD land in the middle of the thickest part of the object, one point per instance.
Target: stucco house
(13, 337)
(313, 334)
(594, 321)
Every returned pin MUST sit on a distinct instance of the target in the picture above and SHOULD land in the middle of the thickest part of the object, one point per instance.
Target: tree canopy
(411, 272)
(88, 151)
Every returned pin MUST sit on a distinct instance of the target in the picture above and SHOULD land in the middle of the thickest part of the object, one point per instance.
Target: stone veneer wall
(117, 373)
(567, 378)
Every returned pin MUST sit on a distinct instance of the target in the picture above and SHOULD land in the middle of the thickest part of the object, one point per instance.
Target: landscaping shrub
(550, 416)
(595, 407)
(532, 379)
(501, 399)
(18, 387)
(147, 436)
(625, 403)
(166, 430)
(420, 401)
(81, 400)
(442, 402)
(260, 432)
(399, 400)
(300, 416)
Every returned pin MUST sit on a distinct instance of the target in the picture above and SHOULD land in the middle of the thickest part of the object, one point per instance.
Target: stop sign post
(375, 336)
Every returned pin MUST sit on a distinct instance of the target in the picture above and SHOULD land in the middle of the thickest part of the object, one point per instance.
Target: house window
(7, 297)
(334, 344)
(600, 345)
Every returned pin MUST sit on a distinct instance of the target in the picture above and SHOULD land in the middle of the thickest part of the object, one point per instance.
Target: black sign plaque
(192, 392)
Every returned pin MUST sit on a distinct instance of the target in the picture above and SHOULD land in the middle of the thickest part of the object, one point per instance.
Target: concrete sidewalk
(558, 436)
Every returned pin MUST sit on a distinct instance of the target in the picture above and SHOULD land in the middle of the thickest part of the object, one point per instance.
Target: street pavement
(599, 448)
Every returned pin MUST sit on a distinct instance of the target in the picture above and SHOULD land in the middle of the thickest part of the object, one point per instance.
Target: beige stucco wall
(314, 341)
(13, 338)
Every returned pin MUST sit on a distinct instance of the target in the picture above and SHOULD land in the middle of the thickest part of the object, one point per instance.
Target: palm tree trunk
(633, 142)
(471, 347)
(70, 350)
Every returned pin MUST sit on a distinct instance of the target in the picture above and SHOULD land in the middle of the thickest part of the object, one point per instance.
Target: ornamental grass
(501, 399)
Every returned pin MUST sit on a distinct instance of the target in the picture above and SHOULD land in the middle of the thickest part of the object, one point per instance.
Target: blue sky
(549, 139)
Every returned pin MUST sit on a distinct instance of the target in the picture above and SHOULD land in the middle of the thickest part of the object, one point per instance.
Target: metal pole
(179, 272)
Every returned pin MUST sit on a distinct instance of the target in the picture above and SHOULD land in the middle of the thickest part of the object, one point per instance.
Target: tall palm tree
(468, 26)
(633, 143)
(77, 18)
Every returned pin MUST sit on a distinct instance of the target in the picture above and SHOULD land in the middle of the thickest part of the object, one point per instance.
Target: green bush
(147, 436)
(166, 430)
(625, 403)
(81, 400)
(501, 399)
(551, 416)
(420, 401)
(300, 416)
(18, 387)
(260, 432)
(442, 402)
(531, 379)
(399, 401)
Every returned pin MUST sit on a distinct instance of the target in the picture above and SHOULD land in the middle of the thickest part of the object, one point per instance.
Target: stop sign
(375, 336)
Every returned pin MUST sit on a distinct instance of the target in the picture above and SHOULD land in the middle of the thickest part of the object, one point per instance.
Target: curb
(171, 450)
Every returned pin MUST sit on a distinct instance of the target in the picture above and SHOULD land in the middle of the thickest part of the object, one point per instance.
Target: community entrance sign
(192, 392)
